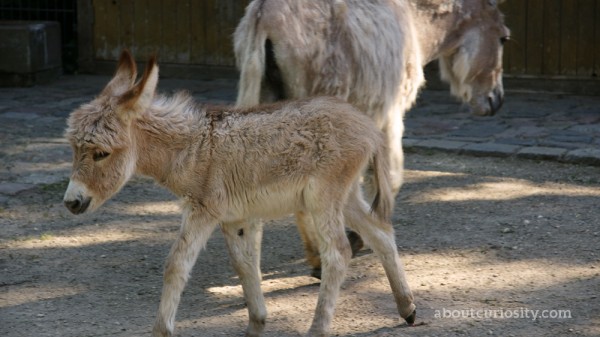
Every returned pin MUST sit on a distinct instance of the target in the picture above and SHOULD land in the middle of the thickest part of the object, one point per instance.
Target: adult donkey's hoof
(316, 273)
(356, 242)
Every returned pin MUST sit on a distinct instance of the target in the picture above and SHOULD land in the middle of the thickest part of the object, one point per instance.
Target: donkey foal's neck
(170, 137)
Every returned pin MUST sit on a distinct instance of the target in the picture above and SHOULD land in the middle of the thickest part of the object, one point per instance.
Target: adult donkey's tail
(249, 50)
(260, 77)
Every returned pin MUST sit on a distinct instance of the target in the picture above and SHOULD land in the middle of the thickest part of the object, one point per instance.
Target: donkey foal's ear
(124, 77)
(139, 98)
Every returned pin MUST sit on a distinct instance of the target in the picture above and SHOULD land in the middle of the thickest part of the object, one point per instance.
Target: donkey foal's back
(234, 167)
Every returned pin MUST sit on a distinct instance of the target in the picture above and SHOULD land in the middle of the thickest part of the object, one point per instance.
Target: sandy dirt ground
(501, 247)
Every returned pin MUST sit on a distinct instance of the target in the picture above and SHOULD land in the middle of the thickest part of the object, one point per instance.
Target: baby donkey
(234, 167)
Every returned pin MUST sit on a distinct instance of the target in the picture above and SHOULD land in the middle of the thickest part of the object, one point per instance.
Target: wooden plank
(596, 73)
(233, 12)
(169, 32)
(100, 43)
(211, 37)
(197, 32)
(224, 10)
(154, 28)
(108, 31)
(85, 36)
(182, 31)
(140, 30)
(569, 30)
(585, 38)
(551, 39)
(126, 14)
(535, 34)
(515, 53)
(113, 30)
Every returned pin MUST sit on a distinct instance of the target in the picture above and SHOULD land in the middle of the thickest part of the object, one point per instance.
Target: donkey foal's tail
(384, 201)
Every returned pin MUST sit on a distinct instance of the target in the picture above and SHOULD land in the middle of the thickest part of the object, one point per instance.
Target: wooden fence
(551, 38)
(181, 32)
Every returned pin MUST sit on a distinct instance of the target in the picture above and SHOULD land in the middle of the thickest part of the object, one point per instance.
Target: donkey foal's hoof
(411, 319)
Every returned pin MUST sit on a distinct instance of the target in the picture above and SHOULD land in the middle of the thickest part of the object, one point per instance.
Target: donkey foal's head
(104, 151)
(474, 66)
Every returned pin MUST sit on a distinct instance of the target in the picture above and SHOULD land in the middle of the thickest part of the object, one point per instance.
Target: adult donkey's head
(472, 63)
(99, 132)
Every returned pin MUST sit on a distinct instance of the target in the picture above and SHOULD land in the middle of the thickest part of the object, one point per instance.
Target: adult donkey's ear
(124, 77)
(139, 97)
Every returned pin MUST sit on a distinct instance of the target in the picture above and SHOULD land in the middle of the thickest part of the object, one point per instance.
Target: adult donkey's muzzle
(495, 100)
(78, 205)
(487, 104)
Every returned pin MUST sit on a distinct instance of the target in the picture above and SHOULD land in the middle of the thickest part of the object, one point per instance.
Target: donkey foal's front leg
(243, 241)
(192, 238)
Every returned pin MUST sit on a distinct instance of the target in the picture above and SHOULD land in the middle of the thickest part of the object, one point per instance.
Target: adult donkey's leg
(393, 130)
(243, 242)
(306, 227)
(195, 231)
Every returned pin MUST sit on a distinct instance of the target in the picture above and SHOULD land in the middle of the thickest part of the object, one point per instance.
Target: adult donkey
(372, 54)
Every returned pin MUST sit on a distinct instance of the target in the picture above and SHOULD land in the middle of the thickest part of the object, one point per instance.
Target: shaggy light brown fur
(233, 167)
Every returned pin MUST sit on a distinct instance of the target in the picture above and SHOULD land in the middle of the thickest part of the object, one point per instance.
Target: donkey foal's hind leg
(335, 255)
(243, 242)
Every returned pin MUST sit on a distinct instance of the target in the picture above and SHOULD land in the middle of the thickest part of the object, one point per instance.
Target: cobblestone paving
(530, 125)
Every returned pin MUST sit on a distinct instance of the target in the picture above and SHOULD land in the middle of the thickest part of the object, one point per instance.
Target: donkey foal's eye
(98, 156)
